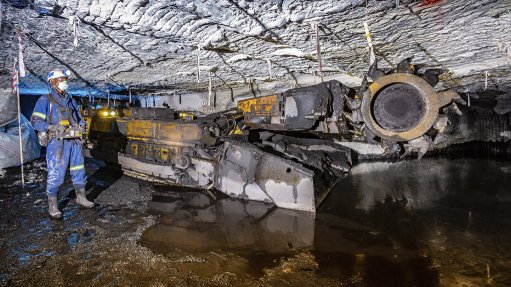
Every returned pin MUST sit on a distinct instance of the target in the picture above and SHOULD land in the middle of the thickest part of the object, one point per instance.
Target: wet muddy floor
(434, 222)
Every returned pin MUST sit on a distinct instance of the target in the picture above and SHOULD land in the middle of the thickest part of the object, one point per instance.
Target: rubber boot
(81, 199)
(53, 208)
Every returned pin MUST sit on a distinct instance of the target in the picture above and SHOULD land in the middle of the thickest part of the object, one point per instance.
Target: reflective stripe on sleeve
(39, 115)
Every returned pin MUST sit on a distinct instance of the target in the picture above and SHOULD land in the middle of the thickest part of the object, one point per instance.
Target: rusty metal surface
(267, 105)
(262, 111)
(160, 153)
(182, 132)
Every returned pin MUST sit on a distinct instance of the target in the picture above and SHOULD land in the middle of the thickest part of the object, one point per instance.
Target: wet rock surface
(37, 251)
(434, 222)
(131, 191)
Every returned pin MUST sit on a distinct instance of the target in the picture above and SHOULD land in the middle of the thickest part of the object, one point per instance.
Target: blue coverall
(60, 153)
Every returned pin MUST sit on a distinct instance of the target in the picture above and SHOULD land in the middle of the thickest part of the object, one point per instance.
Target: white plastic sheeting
(8, 107)
(9, 143)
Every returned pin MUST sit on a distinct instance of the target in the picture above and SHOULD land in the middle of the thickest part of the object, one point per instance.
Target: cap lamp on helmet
(57, 73)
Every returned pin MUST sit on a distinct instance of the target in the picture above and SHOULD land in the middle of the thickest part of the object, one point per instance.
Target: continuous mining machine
(288, 149)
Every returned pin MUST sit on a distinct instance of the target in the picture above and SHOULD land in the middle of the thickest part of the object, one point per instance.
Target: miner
(57, 119)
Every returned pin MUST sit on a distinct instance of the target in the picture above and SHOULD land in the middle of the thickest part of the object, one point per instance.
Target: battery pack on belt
(72, 133)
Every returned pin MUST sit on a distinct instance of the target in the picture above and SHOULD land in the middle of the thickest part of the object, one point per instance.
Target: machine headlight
(104, 113)
(112, 113)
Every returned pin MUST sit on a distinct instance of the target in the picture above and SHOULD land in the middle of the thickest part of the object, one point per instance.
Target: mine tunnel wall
(478, 132)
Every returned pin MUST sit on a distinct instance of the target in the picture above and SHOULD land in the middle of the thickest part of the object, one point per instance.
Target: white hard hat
(58, 73)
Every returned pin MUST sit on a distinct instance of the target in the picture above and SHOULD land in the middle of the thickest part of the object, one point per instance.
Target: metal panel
(167, 131)
(267, 105)
(261, 111)
(249, 173)
(152, 113)
(164, 172)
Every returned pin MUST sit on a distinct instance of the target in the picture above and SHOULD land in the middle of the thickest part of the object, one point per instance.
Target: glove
(56, 130)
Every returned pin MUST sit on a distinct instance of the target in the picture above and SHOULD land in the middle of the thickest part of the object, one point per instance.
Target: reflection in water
(387, 224)
(192, 221)
(422, 184)
(343, 248)
(454, 212)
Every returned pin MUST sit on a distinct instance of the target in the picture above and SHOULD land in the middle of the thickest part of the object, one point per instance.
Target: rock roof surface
(153, 45)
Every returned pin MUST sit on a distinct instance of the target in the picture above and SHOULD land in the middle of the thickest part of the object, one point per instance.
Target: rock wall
(154, 44)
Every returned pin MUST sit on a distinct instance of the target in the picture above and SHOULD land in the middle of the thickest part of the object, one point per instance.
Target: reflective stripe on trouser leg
(74, 168)
(57, 161)
(78, 175)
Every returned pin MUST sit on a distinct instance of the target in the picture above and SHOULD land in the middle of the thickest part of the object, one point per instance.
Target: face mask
(62, 86)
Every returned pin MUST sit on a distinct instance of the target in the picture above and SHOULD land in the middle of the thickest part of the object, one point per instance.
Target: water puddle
(260, 233)
(383, 224)
(245, 237)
